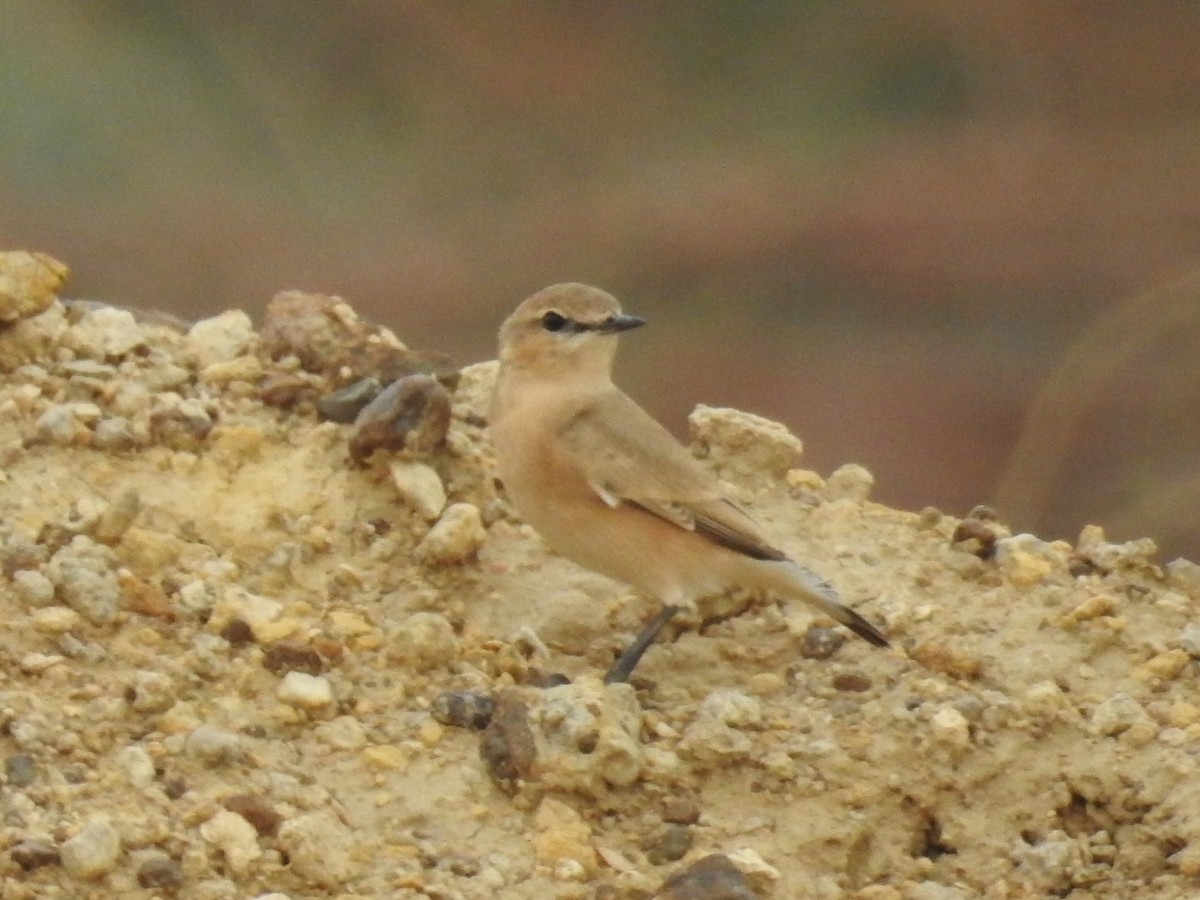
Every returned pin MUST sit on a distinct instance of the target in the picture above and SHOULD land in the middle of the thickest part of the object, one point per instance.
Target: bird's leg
(624, 665)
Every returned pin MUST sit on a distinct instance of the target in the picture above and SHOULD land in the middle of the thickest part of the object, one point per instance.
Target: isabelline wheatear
(609, 487)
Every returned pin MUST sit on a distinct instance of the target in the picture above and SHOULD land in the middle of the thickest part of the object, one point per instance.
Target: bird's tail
(793, 580)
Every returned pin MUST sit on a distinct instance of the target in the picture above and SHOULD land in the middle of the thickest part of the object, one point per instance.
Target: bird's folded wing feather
(629, 457)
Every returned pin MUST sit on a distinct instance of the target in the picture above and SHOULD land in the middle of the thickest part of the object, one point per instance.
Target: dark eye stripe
(556, 322)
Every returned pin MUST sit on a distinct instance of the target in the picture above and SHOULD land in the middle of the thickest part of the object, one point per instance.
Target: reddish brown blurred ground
(892, 225)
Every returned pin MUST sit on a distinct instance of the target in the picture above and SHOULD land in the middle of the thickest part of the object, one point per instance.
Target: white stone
(931, 890)
(716, 732)
(196, 596)
(745, 443)
(56, 619)
(588, 736)
(1118, 713)
(732, 708)
(93, 852)
(105, 332)
(420, 487)
(113, 433)
(85, 575)
(34, 588)
(234, 837)
(321, 848)
(57, 425)
(473, 395)
(950, 727)
(237, 603)
(221, 338)
(305, 691)
(455, 538)
(849, 482)
(1189, 640)
(243, 368)
(212, 746)
(752, 865)
(1185, 574)
(343, 733)
(137, 766)
(152, 691)
(424, 640)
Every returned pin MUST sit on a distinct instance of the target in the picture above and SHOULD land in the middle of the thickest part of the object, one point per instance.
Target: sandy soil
(236, 662)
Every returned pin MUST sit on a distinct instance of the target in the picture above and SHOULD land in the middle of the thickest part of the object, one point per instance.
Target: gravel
(240, 665)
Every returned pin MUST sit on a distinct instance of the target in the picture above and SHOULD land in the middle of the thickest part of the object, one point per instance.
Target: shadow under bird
(610, 488)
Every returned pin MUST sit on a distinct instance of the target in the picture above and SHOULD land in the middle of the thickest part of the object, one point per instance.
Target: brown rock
(821, 643)
(713, 877)
(256, 811)
(851, 681)
(144, 598)
(238, 632)
(463, 709)
(329, 339)
(977, 537)
(412, 414)
(33, 853)
(507, 744)
(292, 656)
(345, 404)
(949, 660)
(161, 873)
(284, 389)
(668, 844)
(681, 811)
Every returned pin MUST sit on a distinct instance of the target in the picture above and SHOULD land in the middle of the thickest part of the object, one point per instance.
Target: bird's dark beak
(613, 324)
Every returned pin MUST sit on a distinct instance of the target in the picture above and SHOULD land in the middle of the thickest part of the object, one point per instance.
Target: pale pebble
(84, 573)
(93, 852)
(455, 538)
(58, 425)
(342, 733)
(305, 691)
(423, 641)
(950, 728)
(212, 746)
(1118, 713)
(56, 619)
(104, 333)
(234, 837)
(33, 588)
(28, 283)
(420, 487)
(849, 482)
(321, 848)
(137, 766)
(220, 338)
(152, 691)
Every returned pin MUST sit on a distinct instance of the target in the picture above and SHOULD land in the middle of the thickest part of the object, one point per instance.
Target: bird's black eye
(553, 321)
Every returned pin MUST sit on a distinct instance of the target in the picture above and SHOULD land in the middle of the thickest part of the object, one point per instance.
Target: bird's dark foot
(624, 665)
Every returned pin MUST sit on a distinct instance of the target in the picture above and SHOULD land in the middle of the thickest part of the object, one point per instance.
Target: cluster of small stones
(201, 814)
(172, 691)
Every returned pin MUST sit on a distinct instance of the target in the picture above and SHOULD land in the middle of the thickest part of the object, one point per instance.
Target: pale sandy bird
(610, 488)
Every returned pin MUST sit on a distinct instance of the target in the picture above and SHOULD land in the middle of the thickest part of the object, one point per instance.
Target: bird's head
(563, 329)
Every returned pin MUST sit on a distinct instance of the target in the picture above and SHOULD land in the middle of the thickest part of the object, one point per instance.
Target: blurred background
(954, 240)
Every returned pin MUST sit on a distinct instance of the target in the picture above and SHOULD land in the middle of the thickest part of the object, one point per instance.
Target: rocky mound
(272, 630)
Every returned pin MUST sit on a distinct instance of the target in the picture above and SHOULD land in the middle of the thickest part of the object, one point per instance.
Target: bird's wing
(628, 457)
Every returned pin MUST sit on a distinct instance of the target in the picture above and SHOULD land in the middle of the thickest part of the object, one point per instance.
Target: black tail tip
(867, 631)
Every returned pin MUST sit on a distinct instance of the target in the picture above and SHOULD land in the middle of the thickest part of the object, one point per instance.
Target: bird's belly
(624, 542)
(630, 545)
